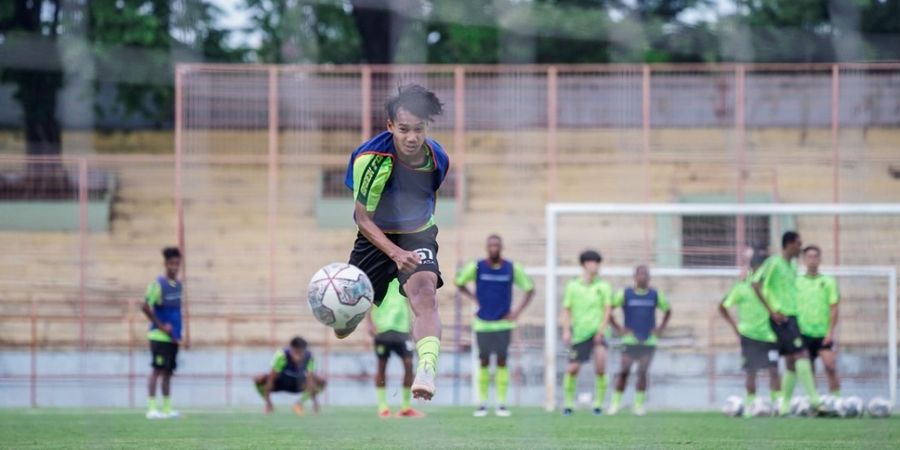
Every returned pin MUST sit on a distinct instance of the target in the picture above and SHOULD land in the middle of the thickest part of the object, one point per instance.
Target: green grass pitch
(443, 428)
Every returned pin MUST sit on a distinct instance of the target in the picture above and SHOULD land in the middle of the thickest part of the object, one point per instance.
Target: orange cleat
(298, 409)
(384, 413)
(410, 412)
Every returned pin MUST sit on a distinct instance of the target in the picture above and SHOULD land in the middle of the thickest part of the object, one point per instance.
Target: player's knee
(485, 362)
(501, 361)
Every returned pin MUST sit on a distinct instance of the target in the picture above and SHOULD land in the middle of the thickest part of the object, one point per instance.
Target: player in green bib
(586, 307)
(758, 348)
(817, 303)
(293, 370)
(775, 284)
(494, 279)
(389, 327)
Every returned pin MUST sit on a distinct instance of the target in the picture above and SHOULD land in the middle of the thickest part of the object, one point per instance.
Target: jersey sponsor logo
(426, 255)
(492, 277)
(642, 303)
(368, 177)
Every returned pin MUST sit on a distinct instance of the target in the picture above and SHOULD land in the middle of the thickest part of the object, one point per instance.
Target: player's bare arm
(665, 322)
(514, 315)
(267, 390)
(165, 327)
(723, 311)
(776, 316)
(406, 261)
(832, 324)
(607, 316)
(567, 326)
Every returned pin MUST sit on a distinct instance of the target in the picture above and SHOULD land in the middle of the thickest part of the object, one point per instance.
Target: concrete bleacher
(229, 252)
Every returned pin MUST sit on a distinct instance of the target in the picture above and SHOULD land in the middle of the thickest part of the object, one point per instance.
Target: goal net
(696, 252)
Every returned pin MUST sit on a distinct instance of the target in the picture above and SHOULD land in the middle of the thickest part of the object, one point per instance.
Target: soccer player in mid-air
(494, 279)
(394, 178)
(817, 304)
(293, 371)
(389, 327)
(586, 312)
(162, 306)
(775, 284)
(639, 305)
(758, 349)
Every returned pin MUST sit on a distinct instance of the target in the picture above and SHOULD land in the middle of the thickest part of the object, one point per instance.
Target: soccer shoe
(411, 413)
(613, 410)
(384, 413)
(501, 411)
(172, 415)
(154, 414)
(568, 412)
(598, 411)
(298, 409)
(480, 412)
(423, 384)
(639, 410)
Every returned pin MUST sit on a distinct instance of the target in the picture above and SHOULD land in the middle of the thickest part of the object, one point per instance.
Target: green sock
(748, 399)
(261, 388)
(428, 348)
(407, 398)
(167, 404)
(616, 399)
(639, 397)
(151, 403)
(600, 390)
(569, 390)
(788, 380)
(502, 385)
(805, 375)
(774, 396)
(303, 397)
(382, 398)
(484, 384)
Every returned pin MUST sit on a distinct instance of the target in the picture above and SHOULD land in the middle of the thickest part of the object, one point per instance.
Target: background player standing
(494, 278)
(394, 178)
(758, 349)
(162, 305)
(389, 328)
(817, 304)
(293, 370)
(639, 305)
(775, 284)
(586, 311)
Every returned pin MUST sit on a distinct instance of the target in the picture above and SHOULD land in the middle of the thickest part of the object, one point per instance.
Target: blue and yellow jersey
(400, 198)
(164, 298)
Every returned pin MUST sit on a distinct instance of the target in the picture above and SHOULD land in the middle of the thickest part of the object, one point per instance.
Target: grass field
(444, 428)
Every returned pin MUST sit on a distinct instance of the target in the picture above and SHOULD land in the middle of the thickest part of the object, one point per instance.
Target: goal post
(553, 269)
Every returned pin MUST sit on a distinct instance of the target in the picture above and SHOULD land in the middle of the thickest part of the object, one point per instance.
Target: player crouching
(293, 370)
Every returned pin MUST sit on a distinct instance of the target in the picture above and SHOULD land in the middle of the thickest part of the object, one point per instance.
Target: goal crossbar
(552, 270)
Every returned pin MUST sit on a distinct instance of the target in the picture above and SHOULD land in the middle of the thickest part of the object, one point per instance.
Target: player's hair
(415, 99)
(789, 237)
(171, 252)
(495, 236)
(757, 260)
(641, 266)
(814, 248)
(589, 255)
(298, 343)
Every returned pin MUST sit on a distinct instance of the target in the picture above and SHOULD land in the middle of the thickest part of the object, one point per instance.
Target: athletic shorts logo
(426, 256)
(773, 355)
(798, 342)
(379, 349)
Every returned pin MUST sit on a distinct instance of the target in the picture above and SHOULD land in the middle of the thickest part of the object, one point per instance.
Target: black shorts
(381, 269)
(788, 335)
(290, 384)
(582, 351)
(814, 345)
(758, 355)
(638, 351)
(496, 342)
(392, 342)
(165, 355)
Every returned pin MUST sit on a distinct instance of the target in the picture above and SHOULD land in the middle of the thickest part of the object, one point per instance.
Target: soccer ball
(340, 295)
(800, 407)
(850, 406)
(879, 407)
(828, 406)
(734, 406)
(761, 407)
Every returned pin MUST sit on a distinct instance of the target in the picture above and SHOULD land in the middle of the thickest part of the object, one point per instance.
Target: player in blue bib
(162, 306)
(394, 178)
(292, 371)
(639, 335)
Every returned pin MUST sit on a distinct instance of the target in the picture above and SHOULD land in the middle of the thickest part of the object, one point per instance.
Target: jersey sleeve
(834, 295)
(567, 296)
(311, 365)
(153, 296)
(607, 294)
(279, 361)
(467, 274)
(662, 303)
(759, 276)
(370, 175)
(521, 279)
(618, 299)
(731, 298)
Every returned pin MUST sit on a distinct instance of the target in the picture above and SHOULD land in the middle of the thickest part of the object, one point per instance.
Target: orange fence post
(836, 156)
(82, 244)
(179, 192)
(33, 372)
(740, 136)
(366, 88)
(552, 122)
(273, 192)
(645, 152)
(131, 374)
